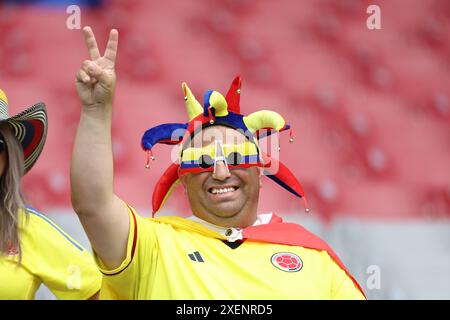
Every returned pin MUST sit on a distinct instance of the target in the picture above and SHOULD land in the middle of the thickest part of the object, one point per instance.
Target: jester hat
(217, 110)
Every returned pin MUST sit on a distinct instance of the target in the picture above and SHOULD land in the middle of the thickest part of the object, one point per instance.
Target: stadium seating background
(370, 111)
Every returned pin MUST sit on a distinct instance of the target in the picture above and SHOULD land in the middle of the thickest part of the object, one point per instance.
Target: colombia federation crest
(287, 261)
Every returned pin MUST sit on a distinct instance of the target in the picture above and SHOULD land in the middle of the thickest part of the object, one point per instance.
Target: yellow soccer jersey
(176, 258)
(49, 256)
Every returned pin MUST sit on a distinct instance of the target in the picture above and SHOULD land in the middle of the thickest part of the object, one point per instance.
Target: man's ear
(183, 180)
(261, 173)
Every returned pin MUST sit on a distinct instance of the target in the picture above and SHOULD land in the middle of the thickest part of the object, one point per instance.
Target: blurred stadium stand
(370, 110)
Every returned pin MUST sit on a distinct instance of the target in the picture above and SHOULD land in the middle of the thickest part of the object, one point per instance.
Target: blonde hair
(11, 199)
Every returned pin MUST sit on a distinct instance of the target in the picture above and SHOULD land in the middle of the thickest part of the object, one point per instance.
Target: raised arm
(102, 213)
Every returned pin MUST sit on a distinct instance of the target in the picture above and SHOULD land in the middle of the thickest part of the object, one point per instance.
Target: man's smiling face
(226, 198)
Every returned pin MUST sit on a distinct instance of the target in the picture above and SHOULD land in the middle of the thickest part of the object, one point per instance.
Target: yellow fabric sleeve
(123, 281)
(343, 288)
(60, 262)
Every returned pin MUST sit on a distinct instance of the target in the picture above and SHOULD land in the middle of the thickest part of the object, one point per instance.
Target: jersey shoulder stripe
(40, 215)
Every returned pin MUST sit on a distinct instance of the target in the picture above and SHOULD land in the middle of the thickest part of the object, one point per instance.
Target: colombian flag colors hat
(217, 110)
(30, 128)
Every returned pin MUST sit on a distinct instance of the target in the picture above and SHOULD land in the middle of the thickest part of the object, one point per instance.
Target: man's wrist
(95, 107)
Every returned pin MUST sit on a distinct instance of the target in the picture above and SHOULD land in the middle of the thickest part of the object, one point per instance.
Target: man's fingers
(82, 76)
(111, 47)
(88, 72)
(97, 73)
(91, 68)
(85, 67)
(91, 43)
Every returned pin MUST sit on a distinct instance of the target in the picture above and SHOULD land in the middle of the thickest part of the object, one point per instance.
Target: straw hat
(30, 128)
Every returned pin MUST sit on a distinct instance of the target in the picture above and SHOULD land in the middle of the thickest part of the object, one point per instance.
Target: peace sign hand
(96, 78)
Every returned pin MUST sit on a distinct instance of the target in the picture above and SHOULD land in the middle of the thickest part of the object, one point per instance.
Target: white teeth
(222, 190)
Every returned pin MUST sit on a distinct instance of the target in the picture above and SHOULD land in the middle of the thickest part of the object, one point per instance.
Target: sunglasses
(233, 155)
(2, 145)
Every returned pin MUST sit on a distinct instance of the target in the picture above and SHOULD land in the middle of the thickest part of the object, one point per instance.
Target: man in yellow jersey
(225, 250)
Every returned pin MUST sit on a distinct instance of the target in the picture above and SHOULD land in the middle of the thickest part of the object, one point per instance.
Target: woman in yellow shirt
(33, 249)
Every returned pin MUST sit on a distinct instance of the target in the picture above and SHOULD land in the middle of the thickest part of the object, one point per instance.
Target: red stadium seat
(370, 108)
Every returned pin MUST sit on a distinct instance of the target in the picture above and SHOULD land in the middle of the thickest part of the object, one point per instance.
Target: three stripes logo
(195, 256)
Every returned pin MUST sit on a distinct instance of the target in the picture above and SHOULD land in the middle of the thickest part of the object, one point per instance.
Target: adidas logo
(195, 256)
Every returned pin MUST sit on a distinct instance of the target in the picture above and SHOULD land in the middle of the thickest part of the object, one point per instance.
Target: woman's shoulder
(33, 220)
(39, 228)
(29, 215)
